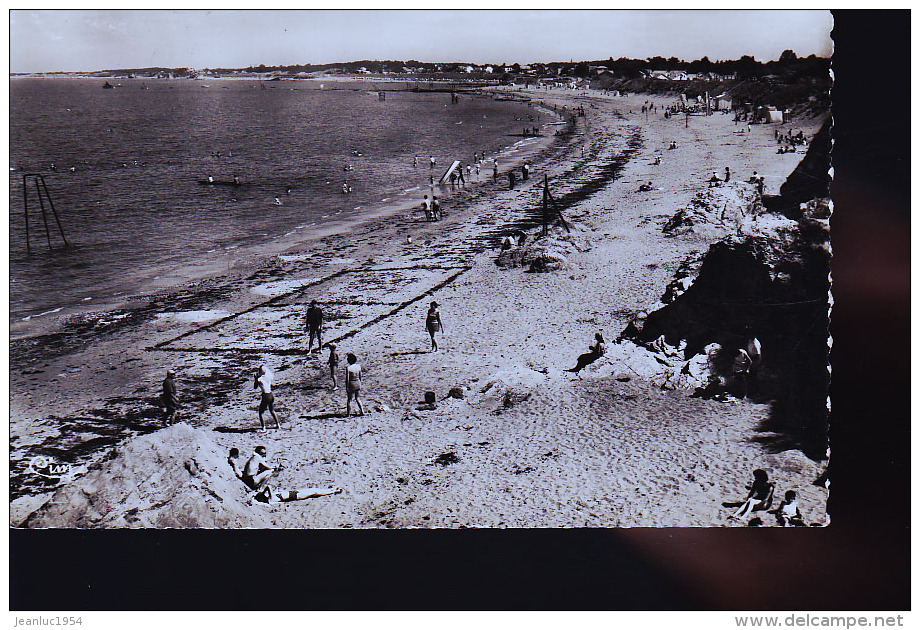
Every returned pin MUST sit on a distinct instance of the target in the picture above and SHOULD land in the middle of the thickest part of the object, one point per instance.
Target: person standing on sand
(435, 208)
(495, 171)
(333, 364)
(352, 383)
(426, 206)
(170, 401)
(315, 326)
(263, 381)
(433, 324)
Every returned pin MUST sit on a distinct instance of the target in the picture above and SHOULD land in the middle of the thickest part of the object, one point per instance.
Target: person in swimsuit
(433, 324)
(333, 365)
(263, 381)
(353, 383)
(256, 472)
(274, 496)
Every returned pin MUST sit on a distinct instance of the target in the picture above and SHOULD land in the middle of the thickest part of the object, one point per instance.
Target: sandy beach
(512, 441)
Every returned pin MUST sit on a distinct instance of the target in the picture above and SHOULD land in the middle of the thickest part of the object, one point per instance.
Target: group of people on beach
(760, 497)
(256, 474)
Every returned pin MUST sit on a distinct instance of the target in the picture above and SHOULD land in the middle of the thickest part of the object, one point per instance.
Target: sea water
(123, 168)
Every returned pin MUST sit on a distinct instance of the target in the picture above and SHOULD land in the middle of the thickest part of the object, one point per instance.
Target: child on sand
(788, 514)
(333, 364)
(433, 324)
(263, 381)
(353, 383)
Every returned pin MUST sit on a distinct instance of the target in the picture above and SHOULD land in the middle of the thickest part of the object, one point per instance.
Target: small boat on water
(219, 182)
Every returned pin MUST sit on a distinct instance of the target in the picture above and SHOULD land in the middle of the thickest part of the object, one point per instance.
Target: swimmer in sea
(278, 202)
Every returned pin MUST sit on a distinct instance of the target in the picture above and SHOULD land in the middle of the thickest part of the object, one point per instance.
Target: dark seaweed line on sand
(299, 351)
(269, 302)
(583, 190)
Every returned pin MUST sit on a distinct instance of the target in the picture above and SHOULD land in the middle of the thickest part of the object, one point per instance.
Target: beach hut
(773, 116)
(722, 102)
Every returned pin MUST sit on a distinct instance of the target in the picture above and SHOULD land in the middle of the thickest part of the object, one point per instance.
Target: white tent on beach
(773, 116)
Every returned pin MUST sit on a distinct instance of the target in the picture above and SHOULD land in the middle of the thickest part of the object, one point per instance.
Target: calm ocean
(132, 205)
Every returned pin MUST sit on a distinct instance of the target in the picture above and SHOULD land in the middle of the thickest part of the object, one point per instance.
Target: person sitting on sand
(595, 352)
(352, 383)
(645, 187)
(270, 496)
(170, 400)
(433, 324)
(788, 514)
(234, 460)
(315, 325)
(760, 496)
(657, 160)
(714, 180)
(333, 364)
(256, 472)
(263, 381)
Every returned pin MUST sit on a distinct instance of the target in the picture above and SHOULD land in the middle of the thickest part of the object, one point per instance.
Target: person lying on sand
(595, 352)
(270, 496)
(788, 514)
(760, 496)
(257, 472)
(263, 381)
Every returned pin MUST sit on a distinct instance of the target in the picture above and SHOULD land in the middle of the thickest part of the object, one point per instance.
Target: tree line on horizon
(745, 67)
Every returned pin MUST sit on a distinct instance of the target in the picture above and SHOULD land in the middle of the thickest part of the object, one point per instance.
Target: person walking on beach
(352, 383)
(435, 208)
(431, 161)
(333, 365)
(263, 381)
(495, 171)
(170, 400)
(433, 324)
(315, 326)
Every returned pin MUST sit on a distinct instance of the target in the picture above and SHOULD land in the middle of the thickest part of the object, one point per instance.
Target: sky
(86, 40)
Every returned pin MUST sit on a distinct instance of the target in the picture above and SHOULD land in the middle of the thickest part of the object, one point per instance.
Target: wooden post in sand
(548, 196)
